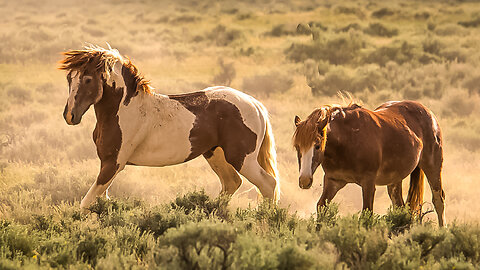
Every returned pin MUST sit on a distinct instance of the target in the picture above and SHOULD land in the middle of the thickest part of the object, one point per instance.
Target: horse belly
(397, 166)
(161, 151)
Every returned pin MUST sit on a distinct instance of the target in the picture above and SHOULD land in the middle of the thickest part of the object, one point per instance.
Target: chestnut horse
(138, 127)
(369, 148)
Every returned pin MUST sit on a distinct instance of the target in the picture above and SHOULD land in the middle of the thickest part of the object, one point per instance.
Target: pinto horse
(369, 148)
(136, 126)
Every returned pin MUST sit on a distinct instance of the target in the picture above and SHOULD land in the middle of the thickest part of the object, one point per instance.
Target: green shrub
(113, 212)
(470, 23)
(458, 104)
(91, 247)
(368, 77)
(253, 252)
(450, 30)
(118, 260)
(354, 26)
(399, 52)
(472, 84)
(226, 75)
(337, 49)
(269, 83)
(291, 257)
(203, 245)
(350, 10)
(224, 36)
(423, 15)
(158, 220)
(282, 30)
(400, 256)
(200, 201)
(399, 219)
(378, 29)
(383, 12)
(19, 94)
(432, 45)
(358, 247)
(462, 241)
(327, 215)
(16, 240)
(130, 240)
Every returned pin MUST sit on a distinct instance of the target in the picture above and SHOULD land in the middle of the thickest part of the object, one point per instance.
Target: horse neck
(109, 104)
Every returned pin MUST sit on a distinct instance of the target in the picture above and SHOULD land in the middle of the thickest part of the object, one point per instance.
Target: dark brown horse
(369, 148)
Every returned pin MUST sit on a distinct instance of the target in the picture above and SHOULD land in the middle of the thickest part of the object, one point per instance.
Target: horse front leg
(330, 189)
(368, 192)
(108, 170)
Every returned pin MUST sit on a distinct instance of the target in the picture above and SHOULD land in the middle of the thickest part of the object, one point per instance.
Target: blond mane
(307, 131)
(103, 60)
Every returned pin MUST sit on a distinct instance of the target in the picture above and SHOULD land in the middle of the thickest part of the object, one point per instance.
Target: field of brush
(293, 56)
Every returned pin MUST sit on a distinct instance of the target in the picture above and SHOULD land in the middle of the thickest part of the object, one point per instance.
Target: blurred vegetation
(126, 233)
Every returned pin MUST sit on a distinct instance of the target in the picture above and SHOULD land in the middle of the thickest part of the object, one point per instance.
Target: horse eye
(88, 80)
(317, 147)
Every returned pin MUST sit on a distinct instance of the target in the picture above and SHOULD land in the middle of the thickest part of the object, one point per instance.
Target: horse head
(88, 72)
(309, 140)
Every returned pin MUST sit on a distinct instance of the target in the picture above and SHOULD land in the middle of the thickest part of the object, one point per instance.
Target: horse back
(416, 117)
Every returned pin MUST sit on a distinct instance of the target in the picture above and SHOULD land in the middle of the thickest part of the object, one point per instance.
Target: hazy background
(377, 50)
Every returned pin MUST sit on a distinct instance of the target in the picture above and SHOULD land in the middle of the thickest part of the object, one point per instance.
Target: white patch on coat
(155, 130)
(74, 85)
(306, 163)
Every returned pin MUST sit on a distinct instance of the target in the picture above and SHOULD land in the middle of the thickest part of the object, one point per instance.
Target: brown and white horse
(369, 148)
(138, 127)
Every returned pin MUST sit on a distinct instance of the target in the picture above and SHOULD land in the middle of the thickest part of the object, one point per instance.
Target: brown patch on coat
(107, 134)
(133, 80)
(218, 123)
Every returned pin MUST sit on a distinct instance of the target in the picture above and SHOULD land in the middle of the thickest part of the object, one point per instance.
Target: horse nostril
(72, 117)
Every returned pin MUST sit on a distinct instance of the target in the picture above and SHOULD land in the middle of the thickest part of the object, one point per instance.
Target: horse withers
(136, 126)
(369, 148)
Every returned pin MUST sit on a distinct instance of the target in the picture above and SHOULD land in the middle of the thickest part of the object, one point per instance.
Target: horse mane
(141, 82)
(307, 132)
(103, 60)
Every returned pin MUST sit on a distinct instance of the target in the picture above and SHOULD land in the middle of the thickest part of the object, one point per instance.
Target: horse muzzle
(305, 182)
(70, 117)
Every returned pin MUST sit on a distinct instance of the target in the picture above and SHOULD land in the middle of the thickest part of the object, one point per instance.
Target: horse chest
(108, 139)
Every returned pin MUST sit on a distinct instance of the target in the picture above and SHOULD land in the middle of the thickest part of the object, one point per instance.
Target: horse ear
(297, 120)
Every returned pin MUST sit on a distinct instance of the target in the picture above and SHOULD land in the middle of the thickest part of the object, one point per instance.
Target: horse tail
(267, 157)
(415, 192)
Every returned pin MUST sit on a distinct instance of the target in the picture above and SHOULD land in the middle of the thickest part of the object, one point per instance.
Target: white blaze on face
(306, 163)
(74, 84)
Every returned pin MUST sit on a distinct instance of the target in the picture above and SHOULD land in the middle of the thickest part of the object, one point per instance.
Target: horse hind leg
(228, 176)
(395, 193)
(431, 164)
(265, 182)
(434, 178)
